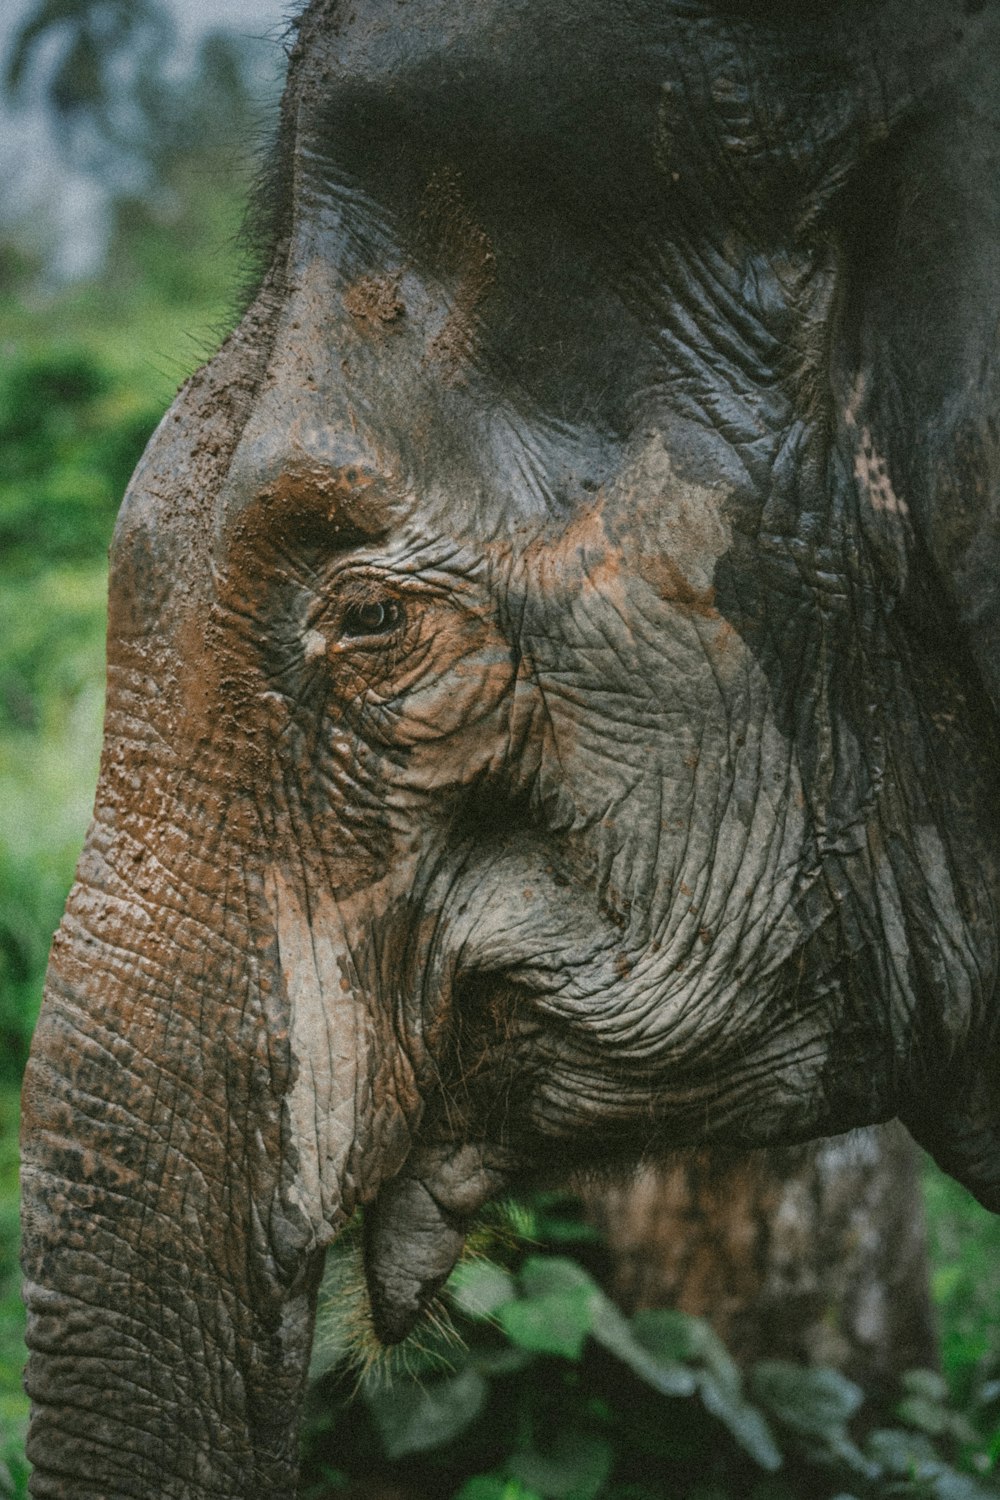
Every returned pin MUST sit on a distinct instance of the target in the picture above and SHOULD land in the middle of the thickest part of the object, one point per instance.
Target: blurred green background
(88, 366)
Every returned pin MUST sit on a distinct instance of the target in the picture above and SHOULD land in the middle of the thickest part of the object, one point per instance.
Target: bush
(550, 1393)
(70, 436)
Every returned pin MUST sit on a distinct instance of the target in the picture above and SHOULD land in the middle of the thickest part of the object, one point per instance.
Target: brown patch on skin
(307, 491)
(306, 504)
(308, 510)
(375, 300)
(670, 531)
(557, 559)
(453, 237)
(673, 588)
(725, 636)
(663, 573)
(564, 564)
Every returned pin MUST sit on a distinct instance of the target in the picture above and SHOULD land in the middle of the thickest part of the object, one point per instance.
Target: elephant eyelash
(366, 613)
(370, 612)
(372, 618)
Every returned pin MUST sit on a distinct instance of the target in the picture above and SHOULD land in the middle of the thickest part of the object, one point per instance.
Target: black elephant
(552, 685)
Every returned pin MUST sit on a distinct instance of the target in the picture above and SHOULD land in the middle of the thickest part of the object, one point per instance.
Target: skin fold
(552, 686)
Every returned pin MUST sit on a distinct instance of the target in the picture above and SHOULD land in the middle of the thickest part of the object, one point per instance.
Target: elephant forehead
(589, 84)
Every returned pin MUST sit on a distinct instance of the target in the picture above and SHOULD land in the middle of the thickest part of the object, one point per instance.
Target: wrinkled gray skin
(551, 685)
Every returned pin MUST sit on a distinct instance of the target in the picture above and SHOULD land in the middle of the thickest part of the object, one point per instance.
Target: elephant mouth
(415, 1231)
(416, 1227)
(480, 1137)
(411, 1245)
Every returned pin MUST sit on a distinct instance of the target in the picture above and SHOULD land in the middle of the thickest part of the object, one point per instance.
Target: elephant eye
(372, 618)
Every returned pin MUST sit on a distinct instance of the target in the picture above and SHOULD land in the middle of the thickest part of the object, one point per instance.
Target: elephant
(553, 681)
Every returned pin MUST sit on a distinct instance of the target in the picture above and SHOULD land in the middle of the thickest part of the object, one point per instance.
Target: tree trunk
(815, 1253)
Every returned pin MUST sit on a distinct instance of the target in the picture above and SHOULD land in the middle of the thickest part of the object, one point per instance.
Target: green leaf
(948, 1484)
(910, 1456)
(668, 1335)
(411, 1418)
(554, 1312)
(813, 1402)
(672, 1336)
(567, 1231)
(743, 1421)
(478, 1287)
(898, 1452)
(815, 1405)
(506, 1360)
(542, 1275)
(927, 1384)
(555, 1323)
(925, 1416)
(483, 1487)
(495, 1487)
(574, 1468)
(839, 1449)
(614, 1333)
(925, 1407)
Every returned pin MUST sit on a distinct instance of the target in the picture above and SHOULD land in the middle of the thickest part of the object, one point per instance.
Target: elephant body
(552, 686)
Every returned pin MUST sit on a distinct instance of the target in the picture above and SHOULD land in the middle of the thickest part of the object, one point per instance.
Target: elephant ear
(927, 283)
(925, 308)
(958, 1120)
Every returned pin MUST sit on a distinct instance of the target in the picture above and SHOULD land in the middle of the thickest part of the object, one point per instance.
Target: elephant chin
(415, 1231)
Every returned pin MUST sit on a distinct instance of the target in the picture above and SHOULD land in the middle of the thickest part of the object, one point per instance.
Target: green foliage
(413, 1415)
(72, 422)
(70, 436)
(597, 1406)
(964, 1245)
(85, 378)
(72, 425)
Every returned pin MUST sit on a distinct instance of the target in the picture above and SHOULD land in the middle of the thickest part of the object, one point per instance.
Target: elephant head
(551, 686)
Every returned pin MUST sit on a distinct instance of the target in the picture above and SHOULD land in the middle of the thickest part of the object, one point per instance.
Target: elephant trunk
(173, 1225)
